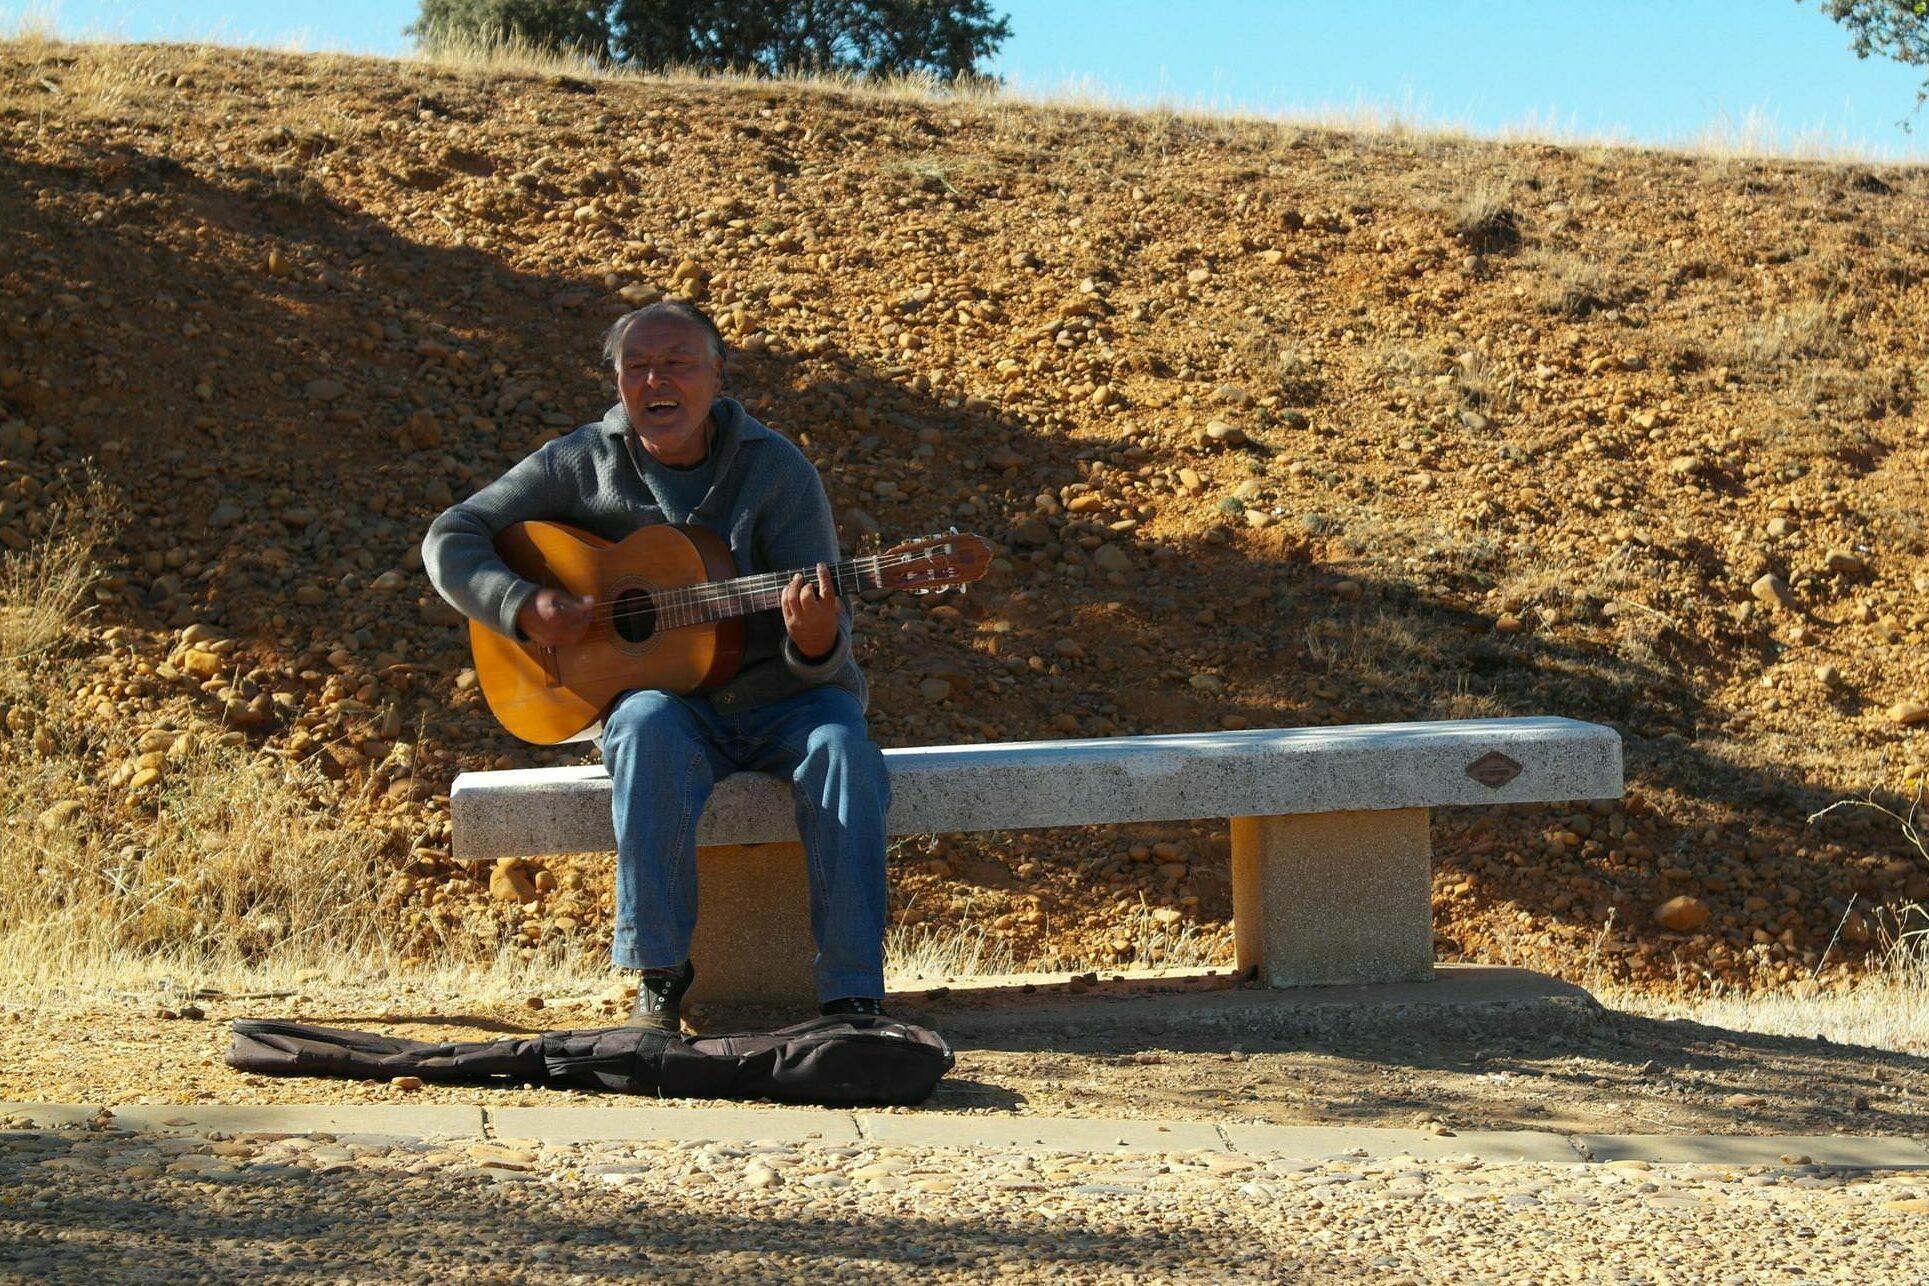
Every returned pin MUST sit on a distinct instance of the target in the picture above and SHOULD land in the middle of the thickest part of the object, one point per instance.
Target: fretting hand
(553, 618)
(810, 612)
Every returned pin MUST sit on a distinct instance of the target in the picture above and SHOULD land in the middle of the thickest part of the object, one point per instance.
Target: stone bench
(1330, 845)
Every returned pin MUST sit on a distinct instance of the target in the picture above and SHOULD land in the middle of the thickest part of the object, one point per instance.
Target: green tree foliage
(1897, 29)
(942, 38)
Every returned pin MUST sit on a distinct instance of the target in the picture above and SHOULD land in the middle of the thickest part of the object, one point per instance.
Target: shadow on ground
(352, 1225)
(1557, 1061)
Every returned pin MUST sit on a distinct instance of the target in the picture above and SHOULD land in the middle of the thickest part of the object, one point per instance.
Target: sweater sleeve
(459, 552)
(802, 534)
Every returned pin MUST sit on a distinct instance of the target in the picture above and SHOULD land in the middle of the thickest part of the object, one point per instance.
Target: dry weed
(218, 862)
(209, 857)
(1485, 219)
(935, 171)
(1885, 1007)
(1568, 284)
(918, 953)
(501, 54)
(1272, 362)
(1757, 134)
(43, 588)
(1806, 330)
(93, 81)
(35, 28)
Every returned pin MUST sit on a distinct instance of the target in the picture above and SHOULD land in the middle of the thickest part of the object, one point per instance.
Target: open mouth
(661, 407)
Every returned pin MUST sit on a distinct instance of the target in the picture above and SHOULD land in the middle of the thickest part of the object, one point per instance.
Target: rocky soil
(75, 1206)
(1271, 426)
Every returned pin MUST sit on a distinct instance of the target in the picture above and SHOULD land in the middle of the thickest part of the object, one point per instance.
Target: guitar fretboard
(719, 600)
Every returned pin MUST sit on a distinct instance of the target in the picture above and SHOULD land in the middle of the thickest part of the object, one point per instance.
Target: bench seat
(1329, 825)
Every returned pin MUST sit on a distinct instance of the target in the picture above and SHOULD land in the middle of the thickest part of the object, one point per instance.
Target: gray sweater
(766, 501)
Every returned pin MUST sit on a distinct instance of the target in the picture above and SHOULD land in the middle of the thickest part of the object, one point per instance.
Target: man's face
(667, 378)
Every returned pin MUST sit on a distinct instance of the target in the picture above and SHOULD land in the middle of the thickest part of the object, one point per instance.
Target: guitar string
(758, 585)
(747, 586)
(692, 601)
(853, 569)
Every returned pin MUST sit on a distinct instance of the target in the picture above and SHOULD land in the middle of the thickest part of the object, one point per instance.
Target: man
(673, 450)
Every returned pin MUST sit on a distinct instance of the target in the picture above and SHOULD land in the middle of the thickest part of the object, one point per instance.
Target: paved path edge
(564, 1124)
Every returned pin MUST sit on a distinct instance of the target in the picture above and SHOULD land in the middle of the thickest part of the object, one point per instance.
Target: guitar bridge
(552, 669)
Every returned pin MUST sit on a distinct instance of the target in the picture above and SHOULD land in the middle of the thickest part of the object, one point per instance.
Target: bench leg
(1322, 898)
(753, 943)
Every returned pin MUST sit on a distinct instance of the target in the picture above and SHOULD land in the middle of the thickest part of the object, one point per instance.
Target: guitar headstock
(934, 562)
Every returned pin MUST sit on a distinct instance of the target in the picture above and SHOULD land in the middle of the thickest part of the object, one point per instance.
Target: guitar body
(551, 695)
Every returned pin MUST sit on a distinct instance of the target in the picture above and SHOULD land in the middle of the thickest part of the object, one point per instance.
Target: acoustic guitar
(668, 614)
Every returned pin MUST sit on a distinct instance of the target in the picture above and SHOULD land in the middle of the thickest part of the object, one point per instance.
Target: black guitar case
(845, 1061)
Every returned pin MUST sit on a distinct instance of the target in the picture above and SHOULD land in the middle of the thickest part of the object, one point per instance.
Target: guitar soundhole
(634, 616)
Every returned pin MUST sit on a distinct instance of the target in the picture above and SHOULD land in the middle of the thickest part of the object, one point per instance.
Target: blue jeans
(664, 753)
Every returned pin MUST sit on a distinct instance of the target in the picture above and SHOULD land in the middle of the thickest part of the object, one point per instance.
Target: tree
(941, 38)
(1897, 29)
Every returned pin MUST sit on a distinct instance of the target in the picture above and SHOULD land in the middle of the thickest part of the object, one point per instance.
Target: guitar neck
(719, 600)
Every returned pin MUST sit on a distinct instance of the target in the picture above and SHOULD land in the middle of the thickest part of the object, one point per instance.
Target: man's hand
(810, 613)
(554, 618)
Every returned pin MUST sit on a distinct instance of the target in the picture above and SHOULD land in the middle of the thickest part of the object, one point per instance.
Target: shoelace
(661, 983)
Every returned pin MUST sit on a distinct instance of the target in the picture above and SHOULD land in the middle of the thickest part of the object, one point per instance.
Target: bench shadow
(1480, 1066)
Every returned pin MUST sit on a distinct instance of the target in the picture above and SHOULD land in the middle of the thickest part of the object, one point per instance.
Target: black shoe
(864, 1005)
(659, 998)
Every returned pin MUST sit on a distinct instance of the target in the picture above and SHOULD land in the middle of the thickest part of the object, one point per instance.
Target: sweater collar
(735, 426)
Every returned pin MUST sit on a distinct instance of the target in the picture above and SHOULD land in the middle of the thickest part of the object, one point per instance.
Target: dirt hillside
(1272, 426)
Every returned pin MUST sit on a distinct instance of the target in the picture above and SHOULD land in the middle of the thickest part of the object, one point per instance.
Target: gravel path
(84, 1206)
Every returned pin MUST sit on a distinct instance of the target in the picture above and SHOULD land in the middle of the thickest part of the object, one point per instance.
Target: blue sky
(1646, 70)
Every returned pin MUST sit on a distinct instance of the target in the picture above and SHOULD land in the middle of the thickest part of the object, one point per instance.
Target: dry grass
(507, 56)
(1439, 379)
(1567, 284)
(34, 26)
(212, 860)
(919, 955)
(943, 171)
(44, 588)
(1271, 361)
(1409, 368)
(221, 862)
(1485, 218)
(111, 82)
(1758, 134)
(514, 57)
(1409, 125)
(1809, 329)
(1481, 384)
(1886, 1008)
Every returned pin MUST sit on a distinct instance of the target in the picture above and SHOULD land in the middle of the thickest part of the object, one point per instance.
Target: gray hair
(686, 312)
